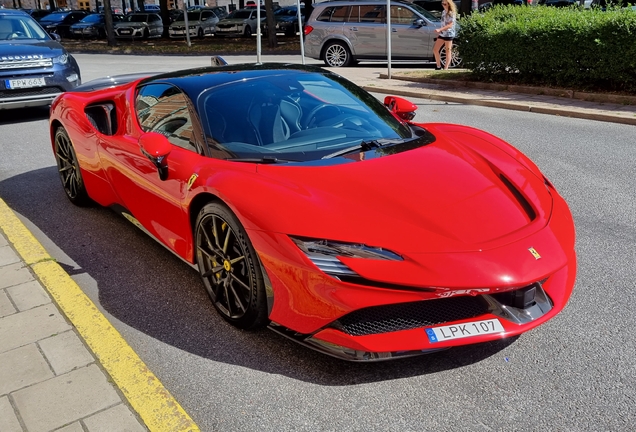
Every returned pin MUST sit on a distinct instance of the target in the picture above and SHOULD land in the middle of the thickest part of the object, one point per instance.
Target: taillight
(308, 29)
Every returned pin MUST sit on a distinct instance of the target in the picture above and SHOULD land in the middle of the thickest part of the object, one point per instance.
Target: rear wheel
(337, 55)
(456, 59)
(69, 169)
(230, 268)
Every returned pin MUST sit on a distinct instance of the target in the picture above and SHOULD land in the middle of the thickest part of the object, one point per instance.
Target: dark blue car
(34, 67)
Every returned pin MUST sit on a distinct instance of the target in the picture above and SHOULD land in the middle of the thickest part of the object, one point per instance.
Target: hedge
(565, 47)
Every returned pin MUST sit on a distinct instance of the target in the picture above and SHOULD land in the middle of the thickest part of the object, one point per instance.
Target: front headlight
(62, 59)
(324, 254)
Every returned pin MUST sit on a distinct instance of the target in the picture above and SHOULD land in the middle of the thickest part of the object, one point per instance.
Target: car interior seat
(291, 114)
(265, 117)
(6, 28)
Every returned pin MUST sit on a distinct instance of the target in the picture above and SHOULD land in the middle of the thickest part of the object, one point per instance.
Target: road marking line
(145, 393)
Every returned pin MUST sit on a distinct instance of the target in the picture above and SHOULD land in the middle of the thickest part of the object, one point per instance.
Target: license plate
(125, 31)
(25, 83)
(464, 330)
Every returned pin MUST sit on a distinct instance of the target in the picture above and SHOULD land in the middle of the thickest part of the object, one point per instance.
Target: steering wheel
(313, 117)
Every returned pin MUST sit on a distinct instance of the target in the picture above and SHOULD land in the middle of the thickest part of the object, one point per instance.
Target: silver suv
(343, 32)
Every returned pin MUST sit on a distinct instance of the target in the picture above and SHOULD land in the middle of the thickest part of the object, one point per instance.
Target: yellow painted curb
(152, 401)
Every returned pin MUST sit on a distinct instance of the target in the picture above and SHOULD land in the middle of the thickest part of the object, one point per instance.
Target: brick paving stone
(30, 326)
(8, 420)
(65, 352)
(28, 295)
(14, 274)
(22, 367)
(117, 418)
(64, 399)
(6, 307)
(8, 256)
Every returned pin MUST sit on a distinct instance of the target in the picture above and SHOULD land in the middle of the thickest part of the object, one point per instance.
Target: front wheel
(200, 33)
(456, 59)
(337, 55)
(247, 32)
(69, 169)
(230, 268)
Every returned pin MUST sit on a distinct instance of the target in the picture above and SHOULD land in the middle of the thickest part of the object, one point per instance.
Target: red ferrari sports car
(310, 207)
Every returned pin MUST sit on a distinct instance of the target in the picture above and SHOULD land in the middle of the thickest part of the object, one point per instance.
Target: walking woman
(446, 33)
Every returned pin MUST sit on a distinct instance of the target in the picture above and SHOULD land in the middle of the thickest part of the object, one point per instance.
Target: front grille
(405, 316)
(25, 64)
(30, 92)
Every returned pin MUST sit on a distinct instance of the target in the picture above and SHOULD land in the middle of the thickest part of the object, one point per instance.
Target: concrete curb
(143, 390)
(471, 99)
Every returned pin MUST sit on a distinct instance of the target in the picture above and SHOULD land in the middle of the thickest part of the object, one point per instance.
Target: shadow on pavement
(24, 115)
(142, 284)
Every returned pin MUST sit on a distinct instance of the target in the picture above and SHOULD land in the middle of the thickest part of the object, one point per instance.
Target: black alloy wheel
(230, 268)
(69, 169)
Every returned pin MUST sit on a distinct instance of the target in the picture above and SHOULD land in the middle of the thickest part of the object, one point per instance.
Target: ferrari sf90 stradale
(310, 207)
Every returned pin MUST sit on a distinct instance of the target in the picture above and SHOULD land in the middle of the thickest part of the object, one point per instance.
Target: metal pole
(258, 31)
(388, 36)
(300, 27)
(185, 18)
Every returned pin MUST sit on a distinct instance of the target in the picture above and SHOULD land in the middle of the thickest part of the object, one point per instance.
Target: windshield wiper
(263, 160)
(365, 146)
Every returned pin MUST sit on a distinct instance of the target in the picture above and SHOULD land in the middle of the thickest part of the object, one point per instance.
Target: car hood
(35, 48)
(457, 194)
(182, 23)
(234, 21)
(131, 24)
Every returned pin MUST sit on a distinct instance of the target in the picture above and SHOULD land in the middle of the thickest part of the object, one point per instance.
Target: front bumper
(129, 32)
(55, 83)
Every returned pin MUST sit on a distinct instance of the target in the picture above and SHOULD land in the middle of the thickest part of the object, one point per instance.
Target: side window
(206, 15)
(372, 14)
(163, 108)
(402, 15)
(335, 14)
(341, 14)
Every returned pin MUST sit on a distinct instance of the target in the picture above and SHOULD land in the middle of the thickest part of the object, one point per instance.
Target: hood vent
(532, 215)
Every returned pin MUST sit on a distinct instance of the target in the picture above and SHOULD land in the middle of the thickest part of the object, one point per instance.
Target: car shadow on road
(23, 115)
(143, 285)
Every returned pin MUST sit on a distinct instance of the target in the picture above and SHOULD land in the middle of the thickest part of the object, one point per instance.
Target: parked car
(152, 8)
(139, 25)
(34, 67)
(92, 26)
(201, 22)
(219, 11)
(405, 238)
(343, 32)
(286, 19)
(434, 6)
(38, 14)
(241, 22)
(61, 22)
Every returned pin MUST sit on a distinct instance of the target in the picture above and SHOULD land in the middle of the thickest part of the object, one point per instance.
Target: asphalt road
(576, 372)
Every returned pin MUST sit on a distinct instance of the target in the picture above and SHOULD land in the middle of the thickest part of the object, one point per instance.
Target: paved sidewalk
(49, 380)
(603, 108)
(61, 361)
(63, 367)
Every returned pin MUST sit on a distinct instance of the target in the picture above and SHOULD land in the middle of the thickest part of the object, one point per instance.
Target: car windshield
(294, 116)
(53, 18)
(240, 14)
(14, 27)
(426, 14)
(95, 18)
(136, 18)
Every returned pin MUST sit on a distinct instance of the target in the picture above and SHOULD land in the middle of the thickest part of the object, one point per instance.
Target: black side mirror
(419, 22)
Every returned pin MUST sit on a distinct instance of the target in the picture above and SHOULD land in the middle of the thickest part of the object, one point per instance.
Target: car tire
(337, 55)
(200, 34)
(247, 32)
(456, 60)
(69, 169)
(146, 33)
(230, 268)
